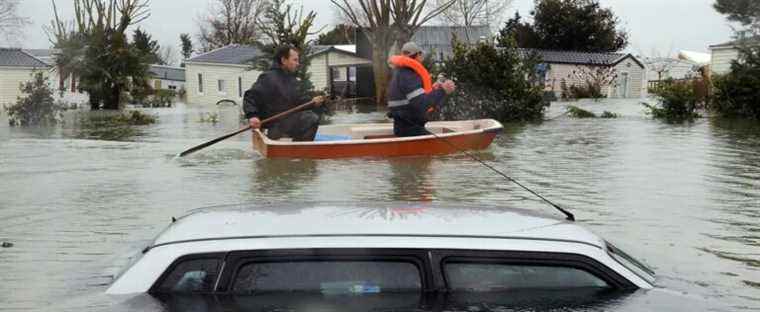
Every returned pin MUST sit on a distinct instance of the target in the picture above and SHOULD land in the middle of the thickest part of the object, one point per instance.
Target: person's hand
(449, 86)
(255, 122)
(437, 85)
(318, 100)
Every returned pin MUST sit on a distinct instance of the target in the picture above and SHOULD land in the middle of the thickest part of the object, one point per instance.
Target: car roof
(370, 219)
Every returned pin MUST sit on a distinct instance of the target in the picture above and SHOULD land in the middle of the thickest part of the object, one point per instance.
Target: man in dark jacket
(276, 91)
(411, 93)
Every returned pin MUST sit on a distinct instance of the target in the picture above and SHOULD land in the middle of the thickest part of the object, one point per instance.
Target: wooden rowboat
(377, 140)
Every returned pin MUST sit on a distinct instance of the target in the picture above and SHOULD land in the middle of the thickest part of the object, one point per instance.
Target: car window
(194, 275)
(328, 277)
(503, 276)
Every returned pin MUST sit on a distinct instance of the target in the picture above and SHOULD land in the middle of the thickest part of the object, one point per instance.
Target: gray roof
(580, 58)
(167, 72)
(19, 58)
(429, 36)
(45, 55)
(736, 43)
(234, 54)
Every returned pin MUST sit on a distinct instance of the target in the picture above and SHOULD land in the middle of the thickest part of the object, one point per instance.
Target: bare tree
(11, 24)
(167, 55)
(374, 18)
(409, 15)
(230, 22)
(386, 23)
(469, 13)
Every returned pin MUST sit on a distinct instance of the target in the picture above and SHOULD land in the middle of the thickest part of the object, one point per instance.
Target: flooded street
(683, 198)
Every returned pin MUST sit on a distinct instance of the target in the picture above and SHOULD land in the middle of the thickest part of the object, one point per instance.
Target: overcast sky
(655, 26)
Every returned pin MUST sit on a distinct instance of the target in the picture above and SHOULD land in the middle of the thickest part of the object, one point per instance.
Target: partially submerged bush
(130, 118)
(492, 84)
(677, 101)
(37, 107)
(577, 112)
(737, 94)
(211, 117)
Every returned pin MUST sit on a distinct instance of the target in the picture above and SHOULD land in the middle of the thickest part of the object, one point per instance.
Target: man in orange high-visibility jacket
(411, 92)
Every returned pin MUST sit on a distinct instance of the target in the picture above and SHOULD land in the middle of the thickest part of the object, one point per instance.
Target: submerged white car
(358, 249)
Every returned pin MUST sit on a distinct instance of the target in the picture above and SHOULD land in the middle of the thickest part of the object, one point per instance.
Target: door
(622, 86)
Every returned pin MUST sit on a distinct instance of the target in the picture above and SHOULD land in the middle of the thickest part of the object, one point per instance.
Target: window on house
(336, 76)
(221, 85)
(200, 83)
(240, 86)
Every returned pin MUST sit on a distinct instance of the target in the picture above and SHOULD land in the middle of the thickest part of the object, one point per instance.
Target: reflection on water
(76, 202)
(410, 179)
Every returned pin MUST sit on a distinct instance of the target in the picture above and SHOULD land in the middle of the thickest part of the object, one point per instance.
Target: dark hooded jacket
(275, 91)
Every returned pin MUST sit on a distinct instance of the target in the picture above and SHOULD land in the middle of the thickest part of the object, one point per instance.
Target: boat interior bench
(370, 133)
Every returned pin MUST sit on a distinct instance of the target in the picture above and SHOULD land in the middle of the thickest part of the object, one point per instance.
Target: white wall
(721, 59)
(636, 80)
(11, 79)
(211, 74)
(558, 72)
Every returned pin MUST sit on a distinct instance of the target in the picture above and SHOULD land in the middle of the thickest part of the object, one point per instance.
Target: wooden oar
(231, 134)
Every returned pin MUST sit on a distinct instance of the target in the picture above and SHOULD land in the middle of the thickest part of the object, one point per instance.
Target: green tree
(187, 46)
(96, 47)
(148, 48)
(516, 29)
(746, 12)
(341, 34)
(736, 93)
(283, 25)
(493, 82)
(571, 25)
(37, 107)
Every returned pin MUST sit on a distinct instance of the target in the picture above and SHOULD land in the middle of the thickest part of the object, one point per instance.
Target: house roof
(581, 58)
(234, 54)
(344, 49)
(167, 72)
(19, 58)
(735, 43)
(430, 36)
(45, 55)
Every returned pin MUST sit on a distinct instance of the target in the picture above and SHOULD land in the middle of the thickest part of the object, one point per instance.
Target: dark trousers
(300, 126)
(406, 124)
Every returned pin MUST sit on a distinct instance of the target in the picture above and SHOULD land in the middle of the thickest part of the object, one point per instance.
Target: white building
(722, 56)
(226, 73)
(167, 77)
(18, 66)
(562, 66)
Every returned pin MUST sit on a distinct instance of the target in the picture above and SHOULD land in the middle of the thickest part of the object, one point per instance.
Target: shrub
(492, 83)
(577, 112)
(737, 94)
(161, 98)
(607, 114)
(677, 101)
(37, 107)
